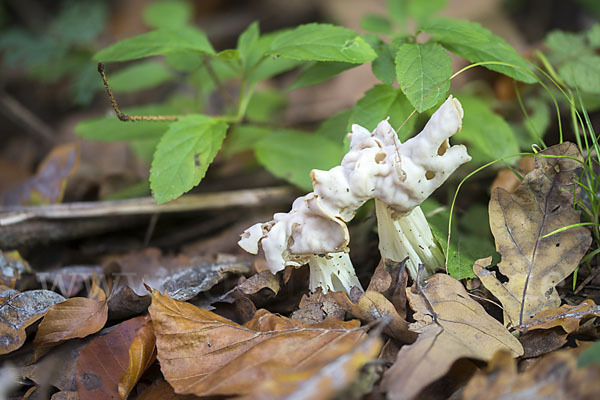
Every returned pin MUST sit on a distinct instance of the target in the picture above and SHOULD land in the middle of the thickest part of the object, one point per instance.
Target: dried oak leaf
(76, 317)
(451, 326)
(535, 265)
(18, 311)
(390, 278)
(205, 354)
(566, 316)
(104, 362)
(554, 376)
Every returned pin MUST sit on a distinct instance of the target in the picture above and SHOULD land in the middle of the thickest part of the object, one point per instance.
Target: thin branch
(147, 205)
(125, 117)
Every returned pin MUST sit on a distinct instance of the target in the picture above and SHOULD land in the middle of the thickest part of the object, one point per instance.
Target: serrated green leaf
(380, 102)
(593, 36)
(168, 14)
(376, 23)
(582, 73)
(139, 76)
(247, 39)
(319, 72)
(163, 41)
(323, 42)
(475, 43)
(110, 128)
(423, 71)
(488, 134)
(291, 155)
(243, 138)
(383, 66)
(184, 154)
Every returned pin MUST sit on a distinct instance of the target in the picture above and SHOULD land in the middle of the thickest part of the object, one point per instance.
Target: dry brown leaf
(373, 306)
(204, 354)
(104, 361)
(555, 376)
(542, 341)
(390, 279)
(451, 326)
(566, 316)
(534, 266)
(321, 382)
(76, 317)
(142, 353)
(18, 311)
(47, 186)
(259, 281)
(63, 395)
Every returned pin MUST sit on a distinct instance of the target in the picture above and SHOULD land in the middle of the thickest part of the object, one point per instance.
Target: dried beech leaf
(566, 316)
(18, 311)
(104, 361)
(373, 306)
(142, 353)
(555, 376)
(205, 354)
(534, 266)
(321, 382)
(76, 317)
(161, 390)
(451, 326)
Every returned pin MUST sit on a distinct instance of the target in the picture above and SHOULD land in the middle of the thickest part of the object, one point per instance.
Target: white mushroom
(398, 176)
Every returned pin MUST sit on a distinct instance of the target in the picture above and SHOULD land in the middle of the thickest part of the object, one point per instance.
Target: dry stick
(125, 117)
(147, 205)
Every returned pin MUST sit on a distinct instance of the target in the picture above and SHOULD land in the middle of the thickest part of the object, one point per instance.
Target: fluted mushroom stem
(408, 236)
(333, 271)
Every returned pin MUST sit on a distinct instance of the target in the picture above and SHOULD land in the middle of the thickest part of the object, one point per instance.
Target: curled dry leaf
(142, 353)
(76, 317)
(542, 341)
(535, 265)
(47, 186)
(104, 361)
(555, 376)
(259, 281)
(18, 311)
(451, 326)
(373, 306)
(566, 316)
(205, 354)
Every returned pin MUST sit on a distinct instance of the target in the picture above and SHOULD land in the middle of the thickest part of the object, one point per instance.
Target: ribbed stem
(408, 236)
(332, 271)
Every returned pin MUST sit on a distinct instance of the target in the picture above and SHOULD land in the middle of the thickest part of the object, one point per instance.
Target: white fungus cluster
(399, 176)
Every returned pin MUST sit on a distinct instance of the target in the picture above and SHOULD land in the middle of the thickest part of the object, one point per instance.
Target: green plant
(187, 139)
